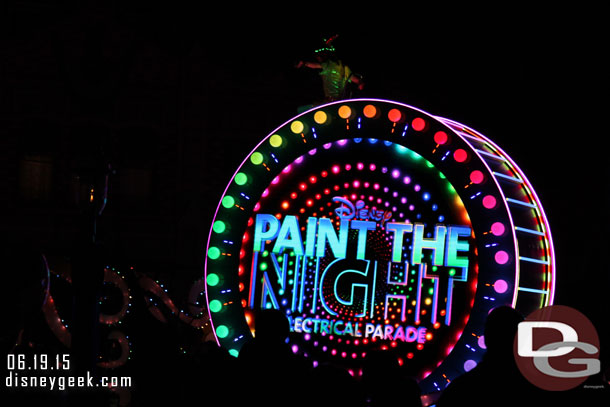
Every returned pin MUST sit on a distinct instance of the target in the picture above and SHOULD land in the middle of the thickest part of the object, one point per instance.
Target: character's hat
(327, 47)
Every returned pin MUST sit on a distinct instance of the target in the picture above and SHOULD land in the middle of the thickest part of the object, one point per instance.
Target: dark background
(176, 96)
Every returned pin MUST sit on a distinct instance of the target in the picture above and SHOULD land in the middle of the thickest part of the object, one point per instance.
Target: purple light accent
(406, 180)
(469, 365)
(299, 160)
(276, 180)
(312, 152)
(501, 257)
(417, 188)
(500, 286)
(327, 146)
(342, 142)
(498, 229)
(395, 174)
(403, 200)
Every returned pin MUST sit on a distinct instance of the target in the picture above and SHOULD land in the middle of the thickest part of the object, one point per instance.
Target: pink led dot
(500, 286)
(372, 167)
(469, 365)
(394, 115)
(460, 155)
(360, 166)
(335, 169)
(440, 137)
(476, 177)
(395, 174)
(418, 124)
(481, 342)
(501, 257)
(406, 180)
(489, 202)
(498, 229)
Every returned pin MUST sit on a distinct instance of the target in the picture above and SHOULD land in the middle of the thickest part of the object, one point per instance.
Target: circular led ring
(514, 259)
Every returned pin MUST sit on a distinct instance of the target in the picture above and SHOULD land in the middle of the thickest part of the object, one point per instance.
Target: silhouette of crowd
(268, 373)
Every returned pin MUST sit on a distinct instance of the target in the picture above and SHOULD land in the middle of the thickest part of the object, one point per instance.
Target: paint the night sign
(375, 226)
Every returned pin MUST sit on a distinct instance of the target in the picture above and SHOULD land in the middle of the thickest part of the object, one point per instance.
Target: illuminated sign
(374, 225)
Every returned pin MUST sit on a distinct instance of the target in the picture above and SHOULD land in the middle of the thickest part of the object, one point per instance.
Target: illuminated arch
(473, 180)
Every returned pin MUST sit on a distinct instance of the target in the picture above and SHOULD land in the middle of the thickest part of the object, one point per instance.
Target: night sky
(533, 81)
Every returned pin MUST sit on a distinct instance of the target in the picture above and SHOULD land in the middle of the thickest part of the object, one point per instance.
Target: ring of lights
(404, 165)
